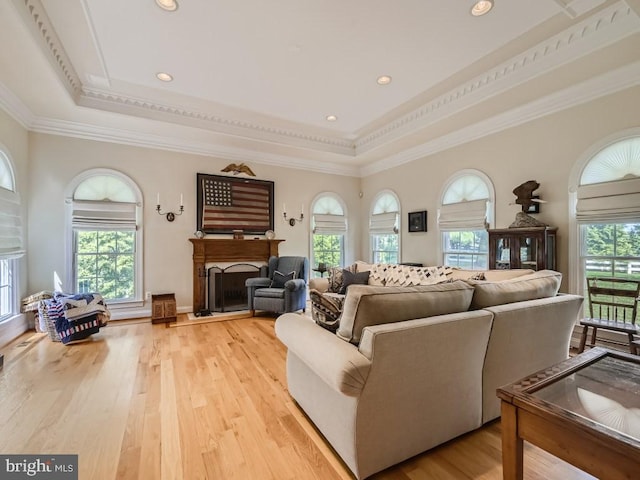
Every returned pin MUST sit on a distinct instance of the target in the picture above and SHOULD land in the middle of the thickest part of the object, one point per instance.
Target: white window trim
(14, 262)
(491, 211)
(371, 206)
(345, 235)
(576, 270)
(68, 283)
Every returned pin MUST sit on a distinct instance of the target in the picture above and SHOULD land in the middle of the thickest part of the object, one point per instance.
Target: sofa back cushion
(489, 275)
(367, 305)
(542, 284)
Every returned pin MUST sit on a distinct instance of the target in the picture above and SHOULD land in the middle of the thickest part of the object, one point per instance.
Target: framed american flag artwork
(227, 203)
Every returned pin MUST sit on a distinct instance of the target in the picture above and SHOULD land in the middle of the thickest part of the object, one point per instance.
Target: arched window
(384, 228)
(607, 211)
(106, 236)
(466, 209)
(11, 242)
(329, 227)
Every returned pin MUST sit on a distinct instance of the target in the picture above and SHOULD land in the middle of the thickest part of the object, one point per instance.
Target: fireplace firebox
(227, 290)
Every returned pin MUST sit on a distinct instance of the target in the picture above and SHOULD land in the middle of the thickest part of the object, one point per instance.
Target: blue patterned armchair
(285, 288)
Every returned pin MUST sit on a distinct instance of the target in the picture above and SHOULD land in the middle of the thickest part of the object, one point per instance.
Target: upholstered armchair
(285, 288)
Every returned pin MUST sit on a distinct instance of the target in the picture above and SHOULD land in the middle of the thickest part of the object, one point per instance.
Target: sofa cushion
(336, 277)
(368, 305)
(349, 278)
(490, 275)
(542, 284)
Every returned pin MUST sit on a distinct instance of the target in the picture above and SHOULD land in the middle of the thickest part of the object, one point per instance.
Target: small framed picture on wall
(418, 221)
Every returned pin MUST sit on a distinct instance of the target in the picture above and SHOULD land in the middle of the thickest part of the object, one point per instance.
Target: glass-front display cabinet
(531, 247)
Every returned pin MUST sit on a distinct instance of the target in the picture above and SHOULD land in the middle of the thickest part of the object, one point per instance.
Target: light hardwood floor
(209, 401)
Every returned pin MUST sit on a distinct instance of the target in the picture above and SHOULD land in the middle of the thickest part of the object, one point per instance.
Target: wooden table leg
(511, 444)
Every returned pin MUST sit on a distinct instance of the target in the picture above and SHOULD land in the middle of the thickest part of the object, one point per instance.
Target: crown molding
(39, 23)
(146, 140)
(119, 103)
(596, 87)
(603, 28)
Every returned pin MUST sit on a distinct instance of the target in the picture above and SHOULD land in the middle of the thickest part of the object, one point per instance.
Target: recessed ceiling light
(165, 77)
(384, 80)
(331, 118)
(481, 7)
(168, 5)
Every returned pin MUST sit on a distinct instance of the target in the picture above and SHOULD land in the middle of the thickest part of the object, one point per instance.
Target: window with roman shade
(105, 222)
(384, 228)
(465, 211)
(608, 212)
(329, 227)
(11, 238)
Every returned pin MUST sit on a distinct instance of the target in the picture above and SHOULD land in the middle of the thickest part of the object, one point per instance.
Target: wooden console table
(570, 410)
(208, 250)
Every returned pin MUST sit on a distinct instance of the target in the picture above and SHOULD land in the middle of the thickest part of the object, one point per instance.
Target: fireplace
(227, 290)
(209, 250)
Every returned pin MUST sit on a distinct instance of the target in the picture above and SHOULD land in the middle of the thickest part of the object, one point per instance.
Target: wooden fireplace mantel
(207, 250)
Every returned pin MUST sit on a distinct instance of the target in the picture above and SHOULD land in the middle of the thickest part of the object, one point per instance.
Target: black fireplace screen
(227, 290)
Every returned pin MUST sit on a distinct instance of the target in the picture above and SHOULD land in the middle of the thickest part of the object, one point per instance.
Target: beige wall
(57, 160)
(544, 150)
(14, 140)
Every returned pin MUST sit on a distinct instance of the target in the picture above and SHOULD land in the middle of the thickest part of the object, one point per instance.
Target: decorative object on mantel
(530, 204)
(170, 215)
(292, 220)
(228, 203)
(238, 234)
(238, 168)
(270, 234)
(199, 234)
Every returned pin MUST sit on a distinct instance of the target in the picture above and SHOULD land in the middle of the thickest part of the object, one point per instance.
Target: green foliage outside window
(105, 263)
(612, 250)
(385, 248)
(466, 249)
(327, 249)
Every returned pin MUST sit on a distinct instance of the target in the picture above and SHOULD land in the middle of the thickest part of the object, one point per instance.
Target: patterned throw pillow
(336, 277)
(279, 279)
(326, 309)
(477, 276)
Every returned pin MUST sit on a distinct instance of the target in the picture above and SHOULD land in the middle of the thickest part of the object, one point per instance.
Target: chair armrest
(338, 363)
(295, 284)
(258, 282)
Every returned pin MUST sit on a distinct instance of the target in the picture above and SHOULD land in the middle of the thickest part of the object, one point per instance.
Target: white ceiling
(255, 80)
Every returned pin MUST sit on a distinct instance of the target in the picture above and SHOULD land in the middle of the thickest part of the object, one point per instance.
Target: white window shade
(11, 245)
(329, 224)
(103, 215)
(383, 223)
(609, 201)
(463, 216)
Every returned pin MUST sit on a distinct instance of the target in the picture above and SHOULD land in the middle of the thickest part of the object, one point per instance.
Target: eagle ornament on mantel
(238, 168)
(524, 197)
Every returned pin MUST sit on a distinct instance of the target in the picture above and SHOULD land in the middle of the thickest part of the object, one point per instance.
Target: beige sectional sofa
(412, 367)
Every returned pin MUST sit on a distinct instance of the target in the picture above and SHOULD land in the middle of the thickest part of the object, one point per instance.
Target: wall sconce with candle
(170, 215)
(292, 221)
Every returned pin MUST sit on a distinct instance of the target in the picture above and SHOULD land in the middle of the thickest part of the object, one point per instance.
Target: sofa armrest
(337, 362)
(319, 284)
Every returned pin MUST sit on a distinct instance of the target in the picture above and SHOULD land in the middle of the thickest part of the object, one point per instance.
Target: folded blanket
(82, 305)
